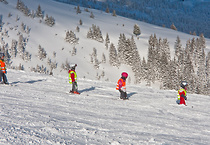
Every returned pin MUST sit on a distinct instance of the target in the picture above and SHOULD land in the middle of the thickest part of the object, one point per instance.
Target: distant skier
(3, 70)
(121, 86)
(73, 79)
(182, 94)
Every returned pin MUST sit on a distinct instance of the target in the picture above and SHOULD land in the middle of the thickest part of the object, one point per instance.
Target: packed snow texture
(38, 109)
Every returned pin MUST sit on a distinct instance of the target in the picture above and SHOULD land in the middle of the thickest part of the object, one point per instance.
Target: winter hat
(72, 66)
(1, 54)
(184, 84)
(124, 74)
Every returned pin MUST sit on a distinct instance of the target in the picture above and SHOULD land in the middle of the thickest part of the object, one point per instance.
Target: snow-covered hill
(37, 109)
(52, 39)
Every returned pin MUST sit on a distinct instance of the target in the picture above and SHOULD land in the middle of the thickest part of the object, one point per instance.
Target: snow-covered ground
(37, 109)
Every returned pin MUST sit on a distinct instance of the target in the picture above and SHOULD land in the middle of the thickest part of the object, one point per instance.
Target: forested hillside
(189, 16)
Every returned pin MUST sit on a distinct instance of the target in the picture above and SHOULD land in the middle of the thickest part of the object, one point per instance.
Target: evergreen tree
(21, 45)
(114, 13)
(178, 47)
(136, 30)
(74, 51)
(173, 27)
(39, 12)
(71, 37)
(107, 38)
(208, 72)
(41, 53)
(91, 15)
(13, 49)
(95, 34)
(113, 60)
(78, 10)
(144, 69)
(107, 10)
(103, 58)
(121, 48)
(80, 22)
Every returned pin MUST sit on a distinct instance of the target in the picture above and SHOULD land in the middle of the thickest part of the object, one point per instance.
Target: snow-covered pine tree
(107, 38)
(27, 56)
(21, 46)
(50, 21)
(41, 53)
(23, 26)
(193, 52)
(78, 10)
(95, 34)
(173, 27)
(121, 48)
(136, 30)
(150, 60)
(208, 72)
(1, 22)
(174, 82)
(71, 37)
(178, 47)
(107, 10)
(144, 68)
(114, 13)
(135, 61)
(202, 80)
(80, 22)
(13, 50)
(77, 29)
(164, 70)
(39, 12)
(113, 59)
(103, 58)
(91, 15)
(74, 51)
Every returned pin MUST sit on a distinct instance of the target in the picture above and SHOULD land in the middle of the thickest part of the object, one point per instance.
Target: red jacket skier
(73, 79)
(2, 69)
(121, 86)
(182, 94)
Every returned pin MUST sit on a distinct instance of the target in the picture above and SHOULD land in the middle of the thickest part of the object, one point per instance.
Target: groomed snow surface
(37, 109)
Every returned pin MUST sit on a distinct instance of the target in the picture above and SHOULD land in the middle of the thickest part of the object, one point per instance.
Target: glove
(123, 89)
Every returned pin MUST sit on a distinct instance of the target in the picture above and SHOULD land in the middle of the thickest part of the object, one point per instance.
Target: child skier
(73, 79)
(121, 86)
(2, 70)
(182, 94)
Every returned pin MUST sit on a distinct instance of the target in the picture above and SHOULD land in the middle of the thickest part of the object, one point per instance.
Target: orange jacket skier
(2, 69)
(121, 86)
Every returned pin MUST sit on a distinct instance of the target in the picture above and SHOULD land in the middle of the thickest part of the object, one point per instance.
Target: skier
(73, 79)
(3, 70)
(182, 94)
(121, 86)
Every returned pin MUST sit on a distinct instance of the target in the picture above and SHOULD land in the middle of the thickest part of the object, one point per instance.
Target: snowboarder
(2, 70)
(73, 79)
(182, 94)
(121, 86)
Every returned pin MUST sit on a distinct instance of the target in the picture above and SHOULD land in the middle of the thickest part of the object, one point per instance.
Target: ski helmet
(184, 84)
(124, 74)
(72, 66)
(1, 55)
